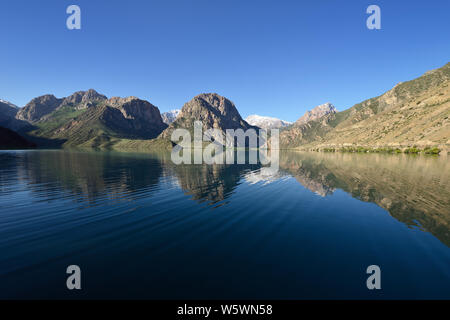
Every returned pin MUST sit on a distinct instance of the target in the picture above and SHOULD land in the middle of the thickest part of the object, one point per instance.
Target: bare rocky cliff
(316, 113)
(213, 110)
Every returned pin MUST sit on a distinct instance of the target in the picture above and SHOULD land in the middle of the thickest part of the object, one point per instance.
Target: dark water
(141, 227)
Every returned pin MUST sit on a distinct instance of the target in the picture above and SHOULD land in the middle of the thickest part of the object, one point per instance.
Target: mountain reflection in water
(224, 231)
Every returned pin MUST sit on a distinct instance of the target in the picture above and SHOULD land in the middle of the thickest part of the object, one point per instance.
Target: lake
(140, 226)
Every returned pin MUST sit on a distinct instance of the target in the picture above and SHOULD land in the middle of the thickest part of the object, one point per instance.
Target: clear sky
(275, 58)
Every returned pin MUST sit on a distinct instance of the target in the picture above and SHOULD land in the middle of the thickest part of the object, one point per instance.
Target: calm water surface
(141, 227)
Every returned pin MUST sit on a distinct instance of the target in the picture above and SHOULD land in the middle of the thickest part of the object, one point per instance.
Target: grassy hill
(413, 113)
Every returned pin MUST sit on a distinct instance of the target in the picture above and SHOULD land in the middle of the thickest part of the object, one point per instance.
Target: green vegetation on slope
(56, 119)
(361, 149)
(415, 112)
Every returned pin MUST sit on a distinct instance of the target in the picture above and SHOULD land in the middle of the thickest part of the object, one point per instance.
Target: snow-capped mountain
(8, 103)
(170, 116)
(266, 122)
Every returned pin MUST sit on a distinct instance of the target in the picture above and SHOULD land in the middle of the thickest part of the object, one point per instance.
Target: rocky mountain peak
(38, 108)
(214, 103)
(170, 116)
(316, 113)
(83, 98)
(118, 101)
(42, 106)
(213, 110)
(132, 107)
(45, 99)
(136, 115)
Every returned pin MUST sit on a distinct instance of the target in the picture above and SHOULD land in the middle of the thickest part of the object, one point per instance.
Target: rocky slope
(266, 122)
(38, 108)
(303, 130)
(316, 113)
(415, 112)
(213, 110)
(83, 99)
(170, 116)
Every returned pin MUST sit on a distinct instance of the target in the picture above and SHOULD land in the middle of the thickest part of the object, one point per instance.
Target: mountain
(90, 119)
(213, 110)
(83, 99)
(116, 118)
(303, 130)
(8, 103)
(8, 112)
(38, 108)
(316, 113)
(11, 140)
(170, 116)
(138, 118)
(266, 122)
(41, 107)
(413, 113)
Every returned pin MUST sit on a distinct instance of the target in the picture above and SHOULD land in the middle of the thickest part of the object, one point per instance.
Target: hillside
(316, 113)
(11, 140)
(8, 112)
(415, 112)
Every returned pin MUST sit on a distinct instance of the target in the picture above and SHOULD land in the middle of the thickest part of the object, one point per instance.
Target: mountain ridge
(412, 113)
(265, 122)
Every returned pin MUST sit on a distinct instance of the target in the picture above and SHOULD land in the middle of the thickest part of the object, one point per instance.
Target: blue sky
(276, 58)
